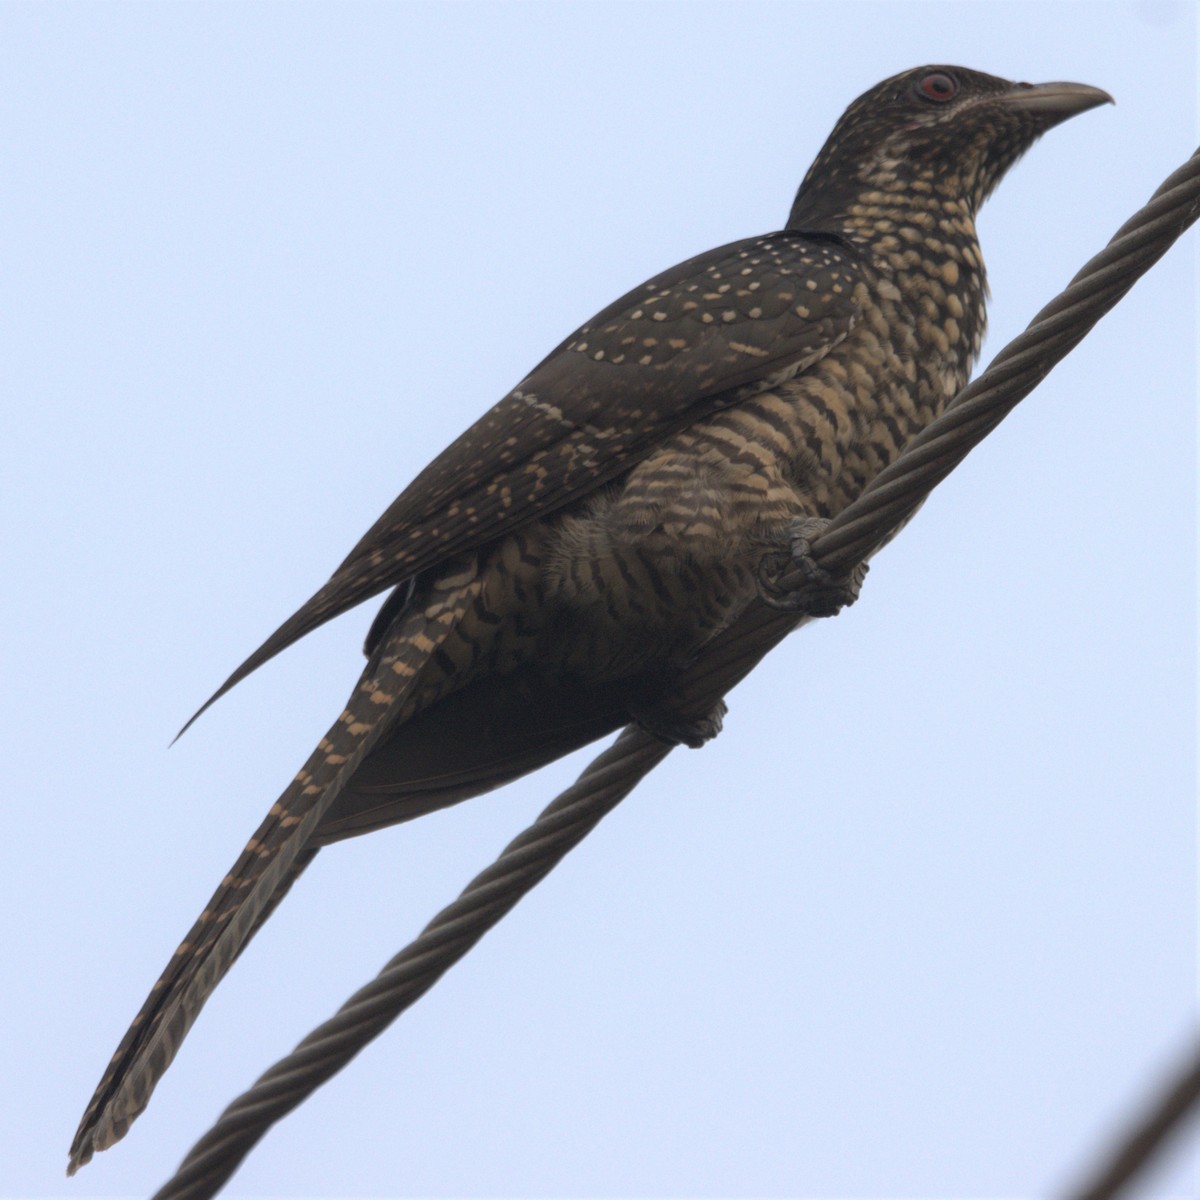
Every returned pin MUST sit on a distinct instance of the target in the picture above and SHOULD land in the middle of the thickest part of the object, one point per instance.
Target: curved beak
(1054, 102)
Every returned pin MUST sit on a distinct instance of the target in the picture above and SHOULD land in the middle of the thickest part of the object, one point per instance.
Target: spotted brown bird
(581, 544)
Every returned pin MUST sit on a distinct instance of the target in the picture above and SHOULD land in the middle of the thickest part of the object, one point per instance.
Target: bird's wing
(695, 339)
(272, 859)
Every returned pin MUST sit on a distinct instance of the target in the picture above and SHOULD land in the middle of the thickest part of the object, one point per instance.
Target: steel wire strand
(899, 489)
(852, 536)
(523, 864)
(896, 493)
(1148, 1135)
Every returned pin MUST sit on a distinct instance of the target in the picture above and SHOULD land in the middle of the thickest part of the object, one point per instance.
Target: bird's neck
(875, 209)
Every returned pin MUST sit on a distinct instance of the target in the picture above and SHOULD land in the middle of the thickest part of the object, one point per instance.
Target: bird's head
(944, 132)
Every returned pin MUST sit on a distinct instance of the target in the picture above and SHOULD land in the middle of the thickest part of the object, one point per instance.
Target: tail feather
(271, 861)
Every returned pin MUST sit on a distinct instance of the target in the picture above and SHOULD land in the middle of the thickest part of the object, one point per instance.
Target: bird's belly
(641, 578)
(631, 611)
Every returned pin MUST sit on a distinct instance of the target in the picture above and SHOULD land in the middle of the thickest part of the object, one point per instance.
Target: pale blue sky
(920, 923)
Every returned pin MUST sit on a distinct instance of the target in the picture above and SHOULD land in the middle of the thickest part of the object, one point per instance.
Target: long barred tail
(271, 861)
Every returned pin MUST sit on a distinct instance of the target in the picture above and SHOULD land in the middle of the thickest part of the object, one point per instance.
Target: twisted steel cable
(1147, 1135)
(851, 537)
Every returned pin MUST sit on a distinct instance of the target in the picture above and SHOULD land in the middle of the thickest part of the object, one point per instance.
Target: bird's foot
(790, 579)
(657, 718)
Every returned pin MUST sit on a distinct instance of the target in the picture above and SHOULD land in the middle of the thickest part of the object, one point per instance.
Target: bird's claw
(791, 580)
(664, 724)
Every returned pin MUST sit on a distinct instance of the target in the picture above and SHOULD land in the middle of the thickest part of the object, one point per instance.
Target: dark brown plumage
(559, 563)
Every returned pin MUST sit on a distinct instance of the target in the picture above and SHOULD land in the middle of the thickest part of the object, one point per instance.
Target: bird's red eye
(938, 86)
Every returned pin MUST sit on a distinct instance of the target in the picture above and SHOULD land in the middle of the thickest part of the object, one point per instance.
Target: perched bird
(558, 565)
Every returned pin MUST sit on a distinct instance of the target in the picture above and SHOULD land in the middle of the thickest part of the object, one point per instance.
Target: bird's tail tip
(85, 1144)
